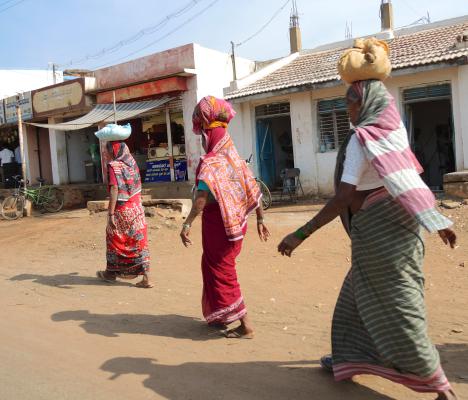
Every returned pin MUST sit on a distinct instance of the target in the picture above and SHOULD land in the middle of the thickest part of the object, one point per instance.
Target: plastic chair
(291, 183)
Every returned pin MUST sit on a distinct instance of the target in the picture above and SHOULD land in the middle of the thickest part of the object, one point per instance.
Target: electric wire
(177, 28)
(10, 6)
(132, 39)
(264, 26)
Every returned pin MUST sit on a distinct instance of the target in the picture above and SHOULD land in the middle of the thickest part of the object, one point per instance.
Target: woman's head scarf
(229, 179)
(384, 138)
(125, 169)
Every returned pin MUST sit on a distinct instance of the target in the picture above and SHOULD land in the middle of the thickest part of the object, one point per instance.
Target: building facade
(294, 114)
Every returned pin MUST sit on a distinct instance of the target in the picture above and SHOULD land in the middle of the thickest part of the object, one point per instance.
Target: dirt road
(64, 335)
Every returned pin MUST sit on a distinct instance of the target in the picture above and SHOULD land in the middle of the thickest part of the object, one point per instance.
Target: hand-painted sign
(63, 96)
(11, 115)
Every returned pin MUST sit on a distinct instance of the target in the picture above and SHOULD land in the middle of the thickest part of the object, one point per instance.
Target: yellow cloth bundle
(368, 59)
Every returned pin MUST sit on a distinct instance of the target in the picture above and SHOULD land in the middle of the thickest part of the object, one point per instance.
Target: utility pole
(233, 57)
(53, 73)
(21, 139)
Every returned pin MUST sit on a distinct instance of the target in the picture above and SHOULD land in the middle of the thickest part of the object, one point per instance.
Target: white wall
(58, 154)
(462, 114)
(213, 73)
(14, 81)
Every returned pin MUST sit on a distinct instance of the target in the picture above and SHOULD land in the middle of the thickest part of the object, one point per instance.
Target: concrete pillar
(462, 134)
(192, 141)
(58, 154)
(305, 138)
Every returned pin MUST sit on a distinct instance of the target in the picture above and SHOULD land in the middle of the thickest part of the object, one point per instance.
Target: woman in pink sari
(226, 193)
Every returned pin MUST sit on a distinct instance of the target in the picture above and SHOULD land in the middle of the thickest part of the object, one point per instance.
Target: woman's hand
(448, 237)
(289, 244)
(111, 222)
(263, 232)
(184, 235)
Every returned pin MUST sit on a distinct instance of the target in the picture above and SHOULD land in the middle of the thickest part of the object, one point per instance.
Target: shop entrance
(429, 120)
(79, 152)
(274, 142)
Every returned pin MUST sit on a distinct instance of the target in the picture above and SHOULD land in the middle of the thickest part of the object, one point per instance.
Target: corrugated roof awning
(105, 113)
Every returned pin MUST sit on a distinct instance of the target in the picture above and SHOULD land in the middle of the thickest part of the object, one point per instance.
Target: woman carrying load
(126, 233)
(379, 324)
(227, 193)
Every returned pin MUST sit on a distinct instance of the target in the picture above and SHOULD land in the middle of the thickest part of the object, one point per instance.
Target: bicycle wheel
(12, 207)
(54, 200)
(266, 195)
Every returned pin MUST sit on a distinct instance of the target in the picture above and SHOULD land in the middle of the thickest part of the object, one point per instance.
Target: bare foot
(106, 276)
(144, 284)
(448, 395)
(239, 333)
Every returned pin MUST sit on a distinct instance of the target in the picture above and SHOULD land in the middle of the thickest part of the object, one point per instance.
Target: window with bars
(333, 122)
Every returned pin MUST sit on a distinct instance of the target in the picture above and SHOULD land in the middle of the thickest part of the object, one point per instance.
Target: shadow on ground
(65, 281)
(113, 325)
(251, 380)
(454, 357)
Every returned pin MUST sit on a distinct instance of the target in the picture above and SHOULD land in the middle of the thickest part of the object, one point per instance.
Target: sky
(35, 33)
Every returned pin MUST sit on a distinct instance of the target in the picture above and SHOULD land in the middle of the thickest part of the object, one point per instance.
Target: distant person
(227, 193)
(126, 233)
(18, 154)
(379, 324)
(6, 155)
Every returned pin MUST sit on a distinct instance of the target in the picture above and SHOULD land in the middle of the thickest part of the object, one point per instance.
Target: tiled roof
(429, 44)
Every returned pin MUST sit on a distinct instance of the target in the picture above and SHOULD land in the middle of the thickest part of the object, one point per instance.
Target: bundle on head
(368, 59)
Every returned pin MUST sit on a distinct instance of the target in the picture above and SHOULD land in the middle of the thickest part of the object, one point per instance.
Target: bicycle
(266, 194)
(49, 198)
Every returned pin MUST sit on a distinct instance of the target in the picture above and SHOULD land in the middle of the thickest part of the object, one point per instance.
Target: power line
(147, 31)
(178, 27)
(265, 25)
(11, 6)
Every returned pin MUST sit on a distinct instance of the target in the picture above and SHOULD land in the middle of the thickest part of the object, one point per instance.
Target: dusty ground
(64, 335)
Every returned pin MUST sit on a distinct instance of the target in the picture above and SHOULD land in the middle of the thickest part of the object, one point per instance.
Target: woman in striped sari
(379, 324)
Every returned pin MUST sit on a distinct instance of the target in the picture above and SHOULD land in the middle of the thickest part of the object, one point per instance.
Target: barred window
(333, 121)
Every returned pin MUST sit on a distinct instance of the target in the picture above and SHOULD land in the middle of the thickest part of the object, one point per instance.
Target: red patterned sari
(224, 221)
(127, 244)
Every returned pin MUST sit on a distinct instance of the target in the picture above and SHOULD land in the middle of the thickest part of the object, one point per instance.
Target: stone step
(181, 205)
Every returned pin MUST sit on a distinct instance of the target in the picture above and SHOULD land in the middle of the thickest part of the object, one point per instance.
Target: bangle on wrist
(300, 234)
(186, 226)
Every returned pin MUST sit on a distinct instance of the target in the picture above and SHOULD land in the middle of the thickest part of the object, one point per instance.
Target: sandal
(236, 334)
(102, 276)
(144, 285)
(326, 362)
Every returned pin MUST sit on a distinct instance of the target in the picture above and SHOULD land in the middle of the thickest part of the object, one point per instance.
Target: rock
(457, 330)
(98, 206)
(462, 264)
(150, 212)
(450, 204)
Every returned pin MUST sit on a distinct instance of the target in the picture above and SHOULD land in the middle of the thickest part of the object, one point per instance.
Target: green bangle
(300, 234)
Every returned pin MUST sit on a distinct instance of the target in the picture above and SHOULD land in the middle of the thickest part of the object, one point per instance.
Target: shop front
(9, 137)
(73, 154)
(158, 136)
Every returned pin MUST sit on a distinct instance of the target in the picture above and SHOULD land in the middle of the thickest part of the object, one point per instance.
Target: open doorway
(274, 142)
(432, 135)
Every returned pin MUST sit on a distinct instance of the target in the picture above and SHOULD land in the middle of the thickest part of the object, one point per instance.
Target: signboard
(64, 96)
(180, 168)
(11, 116)
(2, 113)
(158, 171)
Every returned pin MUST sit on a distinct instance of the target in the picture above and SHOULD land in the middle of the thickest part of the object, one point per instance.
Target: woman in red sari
(226, 193)
(126, 233)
